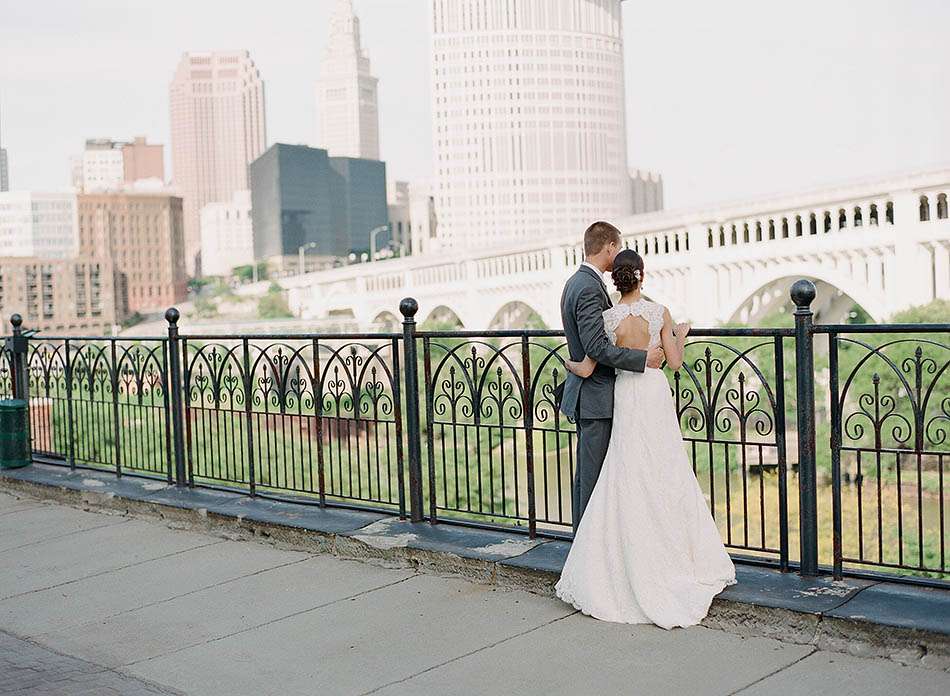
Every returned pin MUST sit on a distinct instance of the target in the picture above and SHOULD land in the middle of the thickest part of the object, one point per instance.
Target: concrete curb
(909, 646)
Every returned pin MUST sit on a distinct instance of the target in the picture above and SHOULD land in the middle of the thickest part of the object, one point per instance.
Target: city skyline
(831, 100)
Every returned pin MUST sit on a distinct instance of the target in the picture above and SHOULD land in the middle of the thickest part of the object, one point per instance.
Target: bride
(647, 549)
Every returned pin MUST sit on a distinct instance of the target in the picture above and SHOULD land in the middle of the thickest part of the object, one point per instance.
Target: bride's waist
(647, 372)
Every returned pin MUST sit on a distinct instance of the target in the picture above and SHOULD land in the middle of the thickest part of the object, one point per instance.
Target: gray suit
(590, 402)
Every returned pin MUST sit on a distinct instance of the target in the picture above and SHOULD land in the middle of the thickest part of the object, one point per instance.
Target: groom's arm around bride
(582, 307)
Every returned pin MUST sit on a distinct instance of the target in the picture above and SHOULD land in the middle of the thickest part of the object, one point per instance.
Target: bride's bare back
(628, 325)
(633, 332)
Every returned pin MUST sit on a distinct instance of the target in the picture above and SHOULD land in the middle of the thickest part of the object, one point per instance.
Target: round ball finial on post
(803, 294)
(172, 315)
(408, 308)
(16, 321)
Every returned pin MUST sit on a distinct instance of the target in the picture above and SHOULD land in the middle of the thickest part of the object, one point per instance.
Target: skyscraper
(218, 128)
(346, 92)
(4, 174)
(529, 120)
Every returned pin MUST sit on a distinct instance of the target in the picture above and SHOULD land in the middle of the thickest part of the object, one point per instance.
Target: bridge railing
(814, 456)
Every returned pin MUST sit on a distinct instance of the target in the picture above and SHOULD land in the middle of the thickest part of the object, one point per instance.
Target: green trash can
(14, 433)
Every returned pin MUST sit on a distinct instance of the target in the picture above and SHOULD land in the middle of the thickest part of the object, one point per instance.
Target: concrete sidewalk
(106, 604)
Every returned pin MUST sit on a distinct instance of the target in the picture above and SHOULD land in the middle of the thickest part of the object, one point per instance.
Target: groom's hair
(599, 235)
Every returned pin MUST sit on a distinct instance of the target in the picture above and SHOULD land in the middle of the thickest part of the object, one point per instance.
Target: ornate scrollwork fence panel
(890, 422)
(730, 399)
(101, 403)
(496, 444)
(496, 448)
(304, 415)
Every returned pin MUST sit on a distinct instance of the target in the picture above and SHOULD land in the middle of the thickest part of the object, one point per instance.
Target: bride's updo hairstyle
(628, 271)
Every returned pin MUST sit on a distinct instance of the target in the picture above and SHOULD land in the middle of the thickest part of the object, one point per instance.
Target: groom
(590, 402)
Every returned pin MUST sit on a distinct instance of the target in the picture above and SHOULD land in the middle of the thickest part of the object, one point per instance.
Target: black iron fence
(461, 426)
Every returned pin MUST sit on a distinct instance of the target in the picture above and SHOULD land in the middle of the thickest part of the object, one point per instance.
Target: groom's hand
(655, 357)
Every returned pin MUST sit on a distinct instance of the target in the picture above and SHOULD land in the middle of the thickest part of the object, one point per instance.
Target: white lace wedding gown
(647, 549)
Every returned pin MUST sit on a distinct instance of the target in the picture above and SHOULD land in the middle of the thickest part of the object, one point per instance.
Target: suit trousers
(593, 437)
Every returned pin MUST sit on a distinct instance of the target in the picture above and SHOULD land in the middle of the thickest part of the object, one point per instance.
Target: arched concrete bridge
(882, 244)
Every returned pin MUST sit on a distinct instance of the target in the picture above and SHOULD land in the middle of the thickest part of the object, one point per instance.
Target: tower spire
(346, 92)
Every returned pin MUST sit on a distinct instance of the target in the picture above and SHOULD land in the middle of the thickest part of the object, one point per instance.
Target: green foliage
(435, 324)
(132, 320)
(245, 273)
(936, 312)
(274, 305)
(197, 284)
(857, 315)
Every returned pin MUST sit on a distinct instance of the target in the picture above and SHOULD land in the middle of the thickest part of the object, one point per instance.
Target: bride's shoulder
(656, 311)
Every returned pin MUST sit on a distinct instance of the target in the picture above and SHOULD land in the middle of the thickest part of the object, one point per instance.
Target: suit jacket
(582, 305)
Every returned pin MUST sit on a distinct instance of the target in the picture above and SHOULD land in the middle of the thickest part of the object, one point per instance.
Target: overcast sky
(727, 99)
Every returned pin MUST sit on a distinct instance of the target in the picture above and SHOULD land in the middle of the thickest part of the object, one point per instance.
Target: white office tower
(227, 238)
(529, 118)
(346, 92)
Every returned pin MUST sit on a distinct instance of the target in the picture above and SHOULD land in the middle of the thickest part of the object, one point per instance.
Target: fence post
(18, 362)
(802, 294)
(20, 371)
(408, 307)
(176, 386)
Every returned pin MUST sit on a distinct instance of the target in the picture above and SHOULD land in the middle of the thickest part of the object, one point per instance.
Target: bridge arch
(516, 314)
(385, 319)
(771, 288)
(444, 316)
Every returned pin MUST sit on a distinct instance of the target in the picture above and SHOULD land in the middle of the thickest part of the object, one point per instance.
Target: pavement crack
(25, 509)
(202, 589)
(470, 652)
(246, 629)
(57, 537)
(106, 572)
(773, 672)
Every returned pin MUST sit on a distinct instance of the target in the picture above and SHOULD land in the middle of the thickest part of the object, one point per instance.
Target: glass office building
(361, 205)
(291, 203)
(301, 197)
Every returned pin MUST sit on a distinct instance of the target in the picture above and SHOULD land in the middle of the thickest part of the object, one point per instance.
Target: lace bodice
(650, 311)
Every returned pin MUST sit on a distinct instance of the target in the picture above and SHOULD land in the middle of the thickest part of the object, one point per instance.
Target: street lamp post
(372, 240)
(302, 250)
